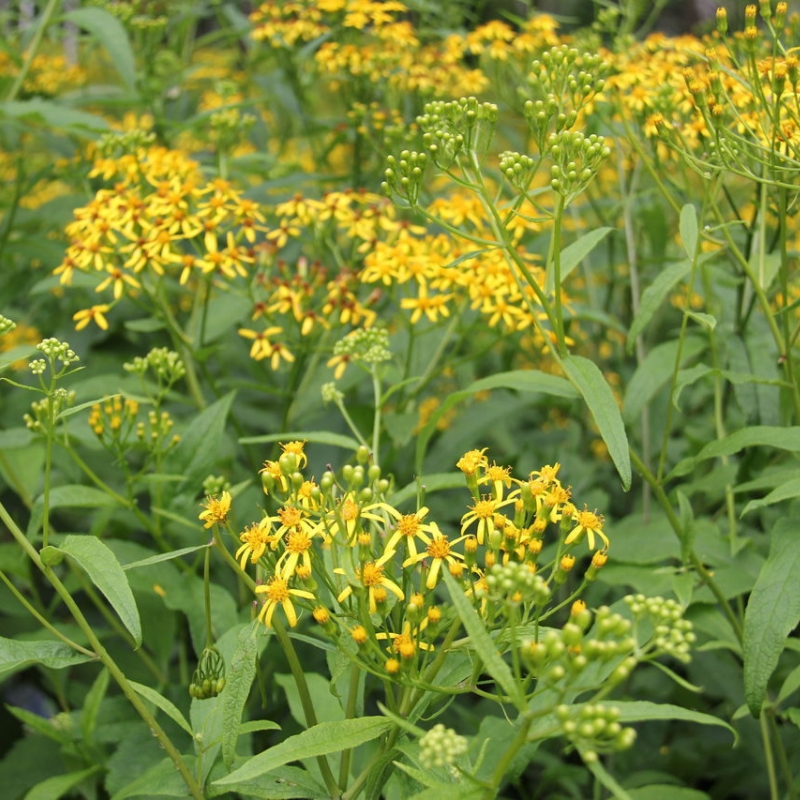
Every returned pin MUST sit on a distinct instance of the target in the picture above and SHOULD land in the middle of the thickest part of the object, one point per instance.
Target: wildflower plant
(319, 509)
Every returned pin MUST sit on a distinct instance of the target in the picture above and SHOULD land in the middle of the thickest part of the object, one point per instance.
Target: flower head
(216, 509)
(279, 593)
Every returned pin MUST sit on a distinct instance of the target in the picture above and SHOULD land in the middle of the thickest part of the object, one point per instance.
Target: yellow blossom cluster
(159, 220)
(378, 42)
(49, 74)
(370, 572)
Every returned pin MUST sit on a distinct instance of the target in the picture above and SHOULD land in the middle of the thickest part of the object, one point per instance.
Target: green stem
(350, 713)
(195, 788)
(207, 597)
(306, 702)
(376, 423)
(511, 751)
(33, 49)
(786, 768)
(675, 524)
(768, 757)
(42, 620)
(48, 463)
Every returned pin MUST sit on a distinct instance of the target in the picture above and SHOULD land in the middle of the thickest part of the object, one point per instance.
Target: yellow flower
(94, 314)
(410, 527)
(296, 448)
(216, 509)
(590, 523)
(472, 460)
(279, 593)
(371, 576)
(483, 514)
(256, 537)
(439, 550)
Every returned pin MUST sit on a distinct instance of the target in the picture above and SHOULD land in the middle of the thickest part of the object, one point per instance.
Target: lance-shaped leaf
(106, 573)
(322, 739)
(16, 655)
(589, 381)
(773, 611)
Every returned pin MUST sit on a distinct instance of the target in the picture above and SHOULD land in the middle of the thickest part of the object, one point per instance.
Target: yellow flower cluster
(377, 42)
(159, 219)
(48, 76)
(370, 572)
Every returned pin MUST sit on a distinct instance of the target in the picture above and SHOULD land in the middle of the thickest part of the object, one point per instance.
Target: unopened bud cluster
(229, 126)
(441, 747)
(47, 410)
(403, 176)
(156, 434)
(594, 728)
(208, 679)
(561, 82)
(56, 350)
(369, 345)
(672, 634)
(166, 365)
(450, 128)
(6, 325)
(215, 485)
(114, 418)
(117, 143)
(516, 583)
(577, 159)
(517, 169)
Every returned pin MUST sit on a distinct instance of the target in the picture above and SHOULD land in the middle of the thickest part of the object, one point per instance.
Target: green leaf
(688, 230)
(40, 725)
(589, 381)
(106, 573)
(318, 437)
(68, 412)
(482, 643)
(54, 115)
(521, 380)
(258, 725)
(239, 679)
(283, 783)
(91, 705)
(785, 491)
(58, 786)
(645, 711)
(573, 254)
(146, 325)
(16, 655)
(161, 780)
(322, 739)
(69, 496)
(198, 451)
(666, 791)
(706, 320)
(109, 31)
(167, 706)
(605, 778)
(653, 296)
(773, 611)
(655, 372)
(146, 562)
(754, 436)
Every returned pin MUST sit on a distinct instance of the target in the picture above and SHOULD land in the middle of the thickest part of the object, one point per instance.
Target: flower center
(277, 590)
(408, 525)
(298, 542)
(290, 516)
(439, 547)
(484, 509)
(372, 574)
